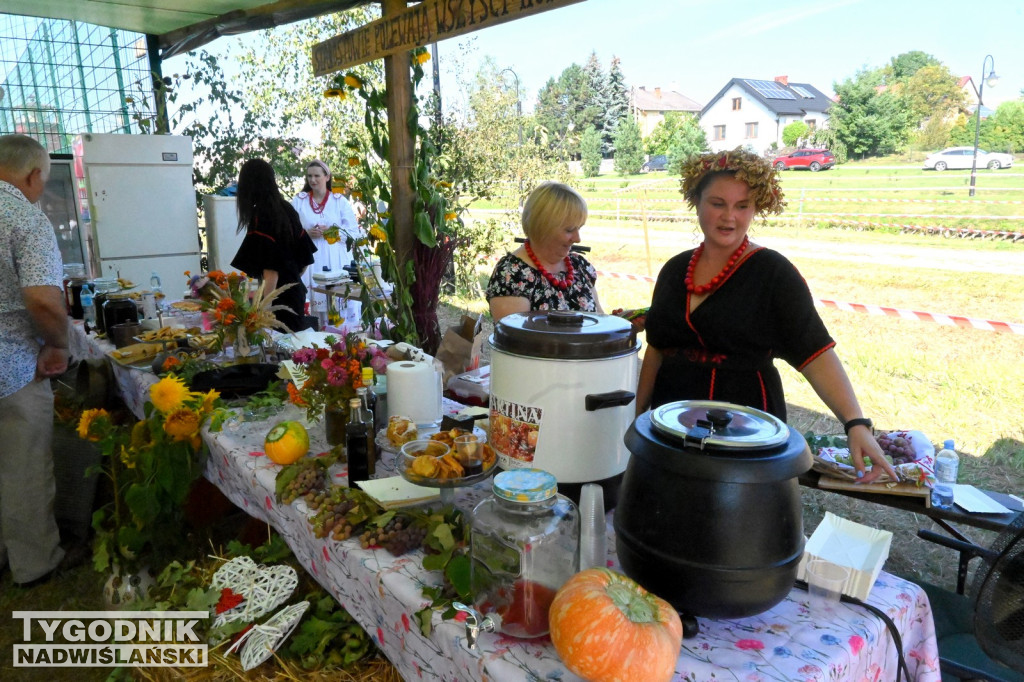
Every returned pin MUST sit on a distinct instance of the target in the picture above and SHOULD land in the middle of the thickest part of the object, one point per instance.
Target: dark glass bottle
(357, 444)
(371, 434)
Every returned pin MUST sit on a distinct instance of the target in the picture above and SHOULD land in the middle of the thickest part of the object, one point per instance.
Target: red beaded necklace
(563, 283)
(717, 280)
(323, 204)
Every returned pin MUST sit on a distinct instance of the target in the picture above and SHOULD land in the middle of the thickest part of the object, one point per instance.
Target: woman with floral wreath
(544, 273)
(722, 313)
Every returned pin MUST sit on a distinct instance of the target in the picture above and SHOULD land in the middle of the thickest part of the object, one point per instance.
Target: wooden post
(647, 239)
(399, 91)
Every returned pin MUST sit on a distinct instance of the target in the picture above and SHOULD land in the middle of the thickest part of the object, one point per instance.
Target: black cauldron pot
(709, 515)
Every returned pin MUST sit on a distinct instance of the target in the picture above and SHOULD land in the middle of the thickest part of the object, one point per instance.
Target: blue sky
(696, 46)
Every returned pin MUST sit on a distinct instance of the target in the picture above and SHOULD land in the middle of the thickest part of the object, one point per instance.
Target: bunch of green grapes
(311, 478)
(330, 518)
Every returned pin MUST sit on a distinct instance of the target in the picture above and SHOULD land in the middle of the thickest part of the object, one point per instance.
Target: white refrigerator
(142, 216)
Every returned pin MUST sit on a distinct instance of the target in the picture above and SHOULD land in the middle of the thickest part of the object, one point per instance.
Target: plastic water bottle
(947, 466)
(154, 283)
(88, 308)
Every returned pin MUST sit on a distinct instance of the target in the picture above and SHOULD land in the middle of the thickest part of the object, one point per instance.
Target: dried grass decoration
(261, 641)
(264, 588)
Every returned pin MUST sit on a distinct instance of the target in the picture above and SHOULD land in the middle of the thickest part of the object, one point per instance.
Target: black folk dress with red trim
(724, 349)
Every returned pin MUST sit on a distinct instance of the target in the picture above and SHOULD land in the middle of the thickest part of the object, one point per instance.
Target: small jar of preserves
(524, 544)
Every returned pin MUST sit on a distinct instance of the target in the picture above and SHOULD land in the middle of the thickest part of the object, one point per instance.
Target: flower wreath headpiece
(747, 166)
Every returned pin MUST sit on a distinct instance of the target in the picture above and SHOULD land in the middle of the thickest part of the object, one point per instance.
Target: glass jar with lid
(103, 287)
(524, 544)
(118, 308)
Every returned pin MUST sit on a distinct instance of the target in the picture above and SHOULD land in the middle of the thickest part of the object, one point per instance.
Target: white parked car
(962, 157)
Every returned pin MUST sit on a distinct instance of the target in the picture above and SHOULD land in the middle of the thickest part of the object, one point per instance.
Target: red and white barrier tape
(863, 200)
(937, 318)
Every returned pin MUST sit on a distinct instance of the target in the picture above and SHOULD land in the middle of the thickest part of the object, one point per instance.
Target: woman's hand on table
(863, 445)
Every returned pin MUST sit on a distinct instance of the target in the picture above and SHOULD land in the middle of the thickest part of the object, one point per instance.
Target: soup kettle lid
(564, 335)
(710, 424)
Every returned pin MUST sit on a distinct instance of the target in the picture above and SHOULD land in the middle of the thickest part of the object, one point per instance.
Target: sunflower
(353, 81)
(182, 424)
(451, 215)
(86, 430)
(169, 393)
(141, 435)
(333, 92)
(209, 401)
(127, 458)
(423, 57)
(353, 161)
(378, 233)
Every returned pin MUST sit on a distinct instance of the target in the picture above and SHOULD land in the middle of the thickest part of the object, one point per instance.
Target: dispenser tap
(477, 623)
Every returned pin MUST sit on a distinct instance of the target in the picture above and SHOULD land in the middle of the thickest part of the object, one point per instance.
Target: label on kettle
(515, 430)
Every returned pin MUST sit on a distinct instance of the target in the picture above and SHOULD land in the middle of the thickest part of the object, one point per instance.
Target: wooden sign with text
(419, 25)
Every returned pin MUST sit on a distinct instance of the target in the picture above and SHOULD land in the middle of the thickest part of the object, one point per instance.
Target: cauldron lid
(564, 335)
(713, 424)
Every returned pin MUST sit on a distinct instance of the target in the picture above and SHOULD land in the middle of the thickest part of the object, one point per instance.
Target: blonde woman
(544, 273)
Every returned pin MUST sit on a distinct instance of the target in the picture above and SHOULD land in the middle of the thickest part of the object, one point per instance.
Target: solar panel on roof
(771, 90)
(802, 91)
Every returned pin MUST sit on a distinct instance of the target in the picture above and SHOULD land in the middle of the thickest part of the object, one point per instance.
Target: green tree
(661, 137)
(1003, 131)
(590, 150)
(489, 131)
(597, 97)
(933, 91)
(867, 121)
(203, 104)
(629, 152)
(688, 139)
(903, 66)
(280, 86)
(617, 107)
(793, 132)
(934, 134)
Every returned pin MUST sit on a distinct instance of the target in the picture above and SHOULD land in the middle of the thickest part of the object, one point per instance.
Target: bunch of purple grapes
(398, 536)
(897, 447)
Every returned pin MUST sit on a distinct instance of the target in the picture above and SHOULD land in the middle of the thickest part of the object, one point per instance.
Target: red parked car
(810, 159)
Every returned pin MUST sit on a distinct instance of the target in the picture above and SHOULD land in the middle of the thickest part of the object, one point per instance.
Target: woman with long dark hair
(275, 250)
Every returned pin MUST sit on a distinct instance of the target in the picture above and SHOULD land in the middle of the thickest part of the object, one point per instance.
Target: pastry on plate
(401, 430)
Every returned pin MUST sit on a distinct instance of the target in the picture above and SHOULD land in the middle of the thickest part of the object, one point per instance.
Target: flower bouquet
(241, 318)
(151, 465)
(333, 374)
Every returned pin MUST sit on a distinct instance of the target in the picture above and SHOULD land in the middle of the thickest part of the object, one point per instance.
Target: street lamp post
(519, 121)
(519, 105)
(991, 78)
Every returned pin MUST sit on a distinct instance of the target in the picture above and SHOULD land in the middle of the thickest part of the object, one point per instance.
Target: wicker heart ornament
(263, 587)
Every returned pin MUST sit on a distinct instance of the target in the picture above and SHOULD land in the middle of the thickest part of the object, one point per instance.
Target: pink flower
(755, 644)
(304, 356)
(327, 363)
(856, 644)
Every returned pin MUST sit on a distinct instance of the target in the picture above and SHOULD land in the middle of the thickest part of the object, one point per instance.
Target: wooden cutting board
(903, 488)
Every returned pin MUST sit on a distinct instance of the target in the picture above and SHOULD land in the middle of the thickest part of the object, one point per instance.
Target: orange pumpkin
(606, 628)
(286, 442)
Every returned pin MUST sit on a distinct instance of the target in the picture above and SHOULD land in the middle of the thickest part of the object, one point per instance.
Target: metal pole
(977, 117)
(519, 120)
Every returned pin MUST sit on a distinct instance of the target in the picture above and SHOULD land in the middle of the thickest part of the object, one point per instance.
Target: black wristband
(859, 421)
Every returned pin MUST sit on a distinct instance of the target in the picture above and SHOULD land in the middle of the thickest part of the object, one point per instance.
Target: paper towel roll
(414, 391)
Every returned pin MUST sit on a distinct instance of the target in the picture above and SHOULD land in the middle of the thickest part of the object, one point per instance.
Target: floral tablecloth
(382, 592)
(787, 643)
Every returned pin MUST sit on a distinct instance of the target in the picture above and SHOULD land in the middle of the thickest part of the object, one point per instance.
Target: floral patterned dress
(513, 276)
